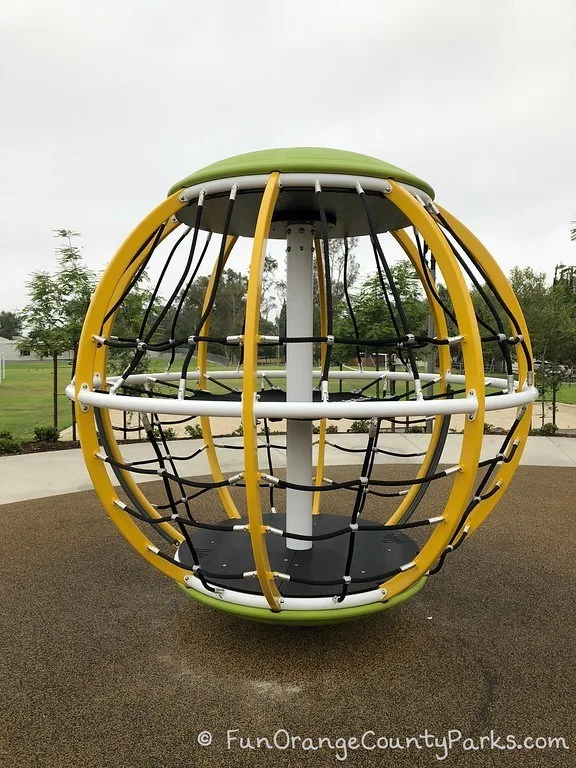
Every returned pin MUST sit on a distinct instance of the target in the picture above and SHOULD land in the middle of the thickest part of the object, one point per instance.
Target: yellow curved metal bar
(474, 382)
(212, 456)
(251, 337)
(323, 332)
(100, 367)
(410, 250)
(492, 268)
(85, 370)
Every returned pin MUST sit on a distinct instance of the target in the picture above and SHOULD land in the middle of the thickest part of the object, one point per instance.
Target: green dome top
(301, 160)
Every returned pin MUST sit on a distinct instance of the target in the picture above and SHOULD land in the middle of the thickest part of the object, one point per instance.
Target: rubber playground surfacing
(105, 662)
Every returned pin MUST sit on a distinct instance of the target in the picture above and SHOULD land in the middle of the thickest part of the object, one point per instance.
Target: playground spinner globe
(276, 550)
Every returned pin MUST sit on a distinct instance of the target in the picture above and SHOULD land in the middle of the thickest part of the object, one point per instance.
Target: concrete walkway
(53, 473)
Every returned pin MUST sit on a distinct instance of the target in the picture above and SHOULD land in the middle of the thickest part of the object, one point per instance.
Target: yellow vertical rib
(249, 389)
(444, 365)
(224, 493)
(85, 370)
(490, 265)
(100, 366)
(323, 332)
(474, 382)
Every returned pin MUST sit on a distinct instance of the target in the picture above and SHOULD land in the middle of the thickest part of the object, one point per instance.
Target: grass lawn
(26, 397)
(566, 393)
(26, 394)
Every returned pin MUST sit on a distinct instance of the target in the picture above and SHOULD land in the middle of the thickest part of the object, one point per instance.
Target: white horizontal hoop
(291, 603)
(451, 378)
(327, 180)
(347, 409)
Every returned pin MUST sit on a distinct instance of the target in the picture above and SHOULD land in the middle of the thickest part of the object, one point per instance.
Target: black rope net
(170, 325)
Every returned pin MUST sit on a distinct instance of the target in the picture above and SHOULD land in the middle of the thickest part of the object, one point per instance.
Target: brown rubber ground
(105, 662)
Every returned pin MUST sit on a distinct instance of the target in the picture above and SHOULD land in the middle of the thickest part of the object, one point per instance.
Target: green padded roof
(301, 160)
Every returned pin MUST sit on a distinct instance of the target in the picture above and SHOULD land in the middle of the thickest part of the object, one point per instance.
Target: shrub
(549, 429)
(238, 432)
(416, 430)
(193, 430)
(168, 432)
(5, 435)
(546, 430)
(47, 434)
(9, 445)
(331, 429)
(488, 428)
(361, 425)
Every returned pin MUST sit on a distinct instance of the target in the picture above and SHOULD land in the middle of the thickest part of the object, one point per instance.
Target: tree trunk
(553, 403)
(72, 403)
(55, 388)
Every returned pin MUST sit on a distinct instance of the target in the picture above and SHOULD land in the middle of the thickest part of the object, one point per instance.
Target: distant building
(9, 348)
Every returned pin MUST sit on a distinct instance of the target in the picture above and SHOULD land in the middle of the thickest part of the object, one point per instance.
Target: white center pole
(299, 381)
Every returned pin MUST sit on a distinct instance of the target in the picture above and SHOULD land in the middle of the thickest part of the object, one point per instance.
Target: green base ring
(303, 618)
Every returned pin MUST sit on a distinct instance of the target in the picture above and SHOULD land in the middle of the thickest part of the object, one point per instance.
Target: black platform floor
(374, 553)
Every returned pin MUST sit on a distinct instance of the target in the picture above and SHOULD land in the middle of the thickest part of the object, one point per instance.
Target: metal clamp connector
(270, 479)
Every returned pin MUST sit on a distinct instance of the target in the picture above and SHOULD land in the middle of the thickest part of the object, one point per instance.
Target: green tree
(10, 325)
(372, 315)
(57, 304)
(269, 301)
(127, 325)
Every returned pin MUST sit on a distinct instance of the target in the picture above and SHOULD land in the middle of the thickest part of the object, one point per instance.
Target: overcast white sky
(106, 104)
